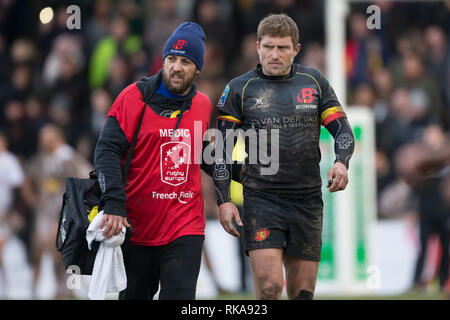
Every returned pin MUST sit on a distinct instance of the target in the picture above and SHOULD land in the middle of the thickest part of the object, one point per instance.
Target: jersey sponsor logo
(170, 113)
(223, 97)
(175, 158)
(306, 106)
(261, 234)
(306, 95)
(294, 121)
(179, 44)
(220, 170)
(262, 101)
(183, 196)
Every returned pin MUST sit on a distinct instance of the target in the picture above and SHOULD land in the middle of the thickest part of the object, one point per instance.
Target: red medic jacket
(163, 191)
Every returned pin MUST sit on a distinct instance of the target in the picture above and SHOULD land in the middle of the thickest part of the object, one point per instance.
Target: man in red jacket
(162, 197)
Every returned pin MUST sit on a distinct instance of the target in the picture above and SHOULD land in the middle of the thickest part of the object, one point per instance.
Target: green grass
(410, 295)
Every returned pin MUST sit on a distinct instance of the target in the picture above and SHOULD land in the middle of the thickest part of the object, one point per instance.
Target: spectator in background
(130, 11)
(61, 108)
(139, 64)
(438, 63)
(100, 101)
(97, 25)
(36, 114)
(410, 115)
(364, 51)
(120, 41)
(11, 177)
(415, 76)
(434, 212)
(162, 22)
(19, 67)
(21, 80)
(23, 51)
(4, 71)
(66, 49)
(247, 57)
(383, 88)
(214, 60)
(215, 17)
(64, 85)
(47, 172)
(119, 75)
(364, 95)
(314, 56)
(18, 130)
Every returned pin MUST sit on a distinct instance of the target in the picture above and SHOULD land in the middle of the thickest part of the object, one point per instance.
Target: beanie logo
(179, 44)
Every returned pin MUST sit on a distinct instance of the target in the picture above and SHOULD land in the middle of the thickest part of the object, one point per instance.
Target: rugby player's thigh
(267, 270)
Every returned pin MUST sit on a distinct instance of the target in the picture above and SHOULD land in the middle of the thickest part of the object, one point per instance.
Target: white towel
(108, 275)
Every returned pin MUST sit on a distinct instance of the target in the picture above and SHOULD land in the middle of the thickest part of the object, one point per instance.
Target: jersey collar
(263, 76)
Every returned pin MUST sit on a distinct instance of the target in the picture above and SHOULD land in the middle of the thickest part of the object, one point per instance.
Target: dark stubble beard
(187, 82)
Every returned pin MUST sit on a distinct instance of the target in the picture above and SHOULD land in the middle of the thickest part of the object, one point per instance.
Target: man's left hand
(113, 225)
(337, 177)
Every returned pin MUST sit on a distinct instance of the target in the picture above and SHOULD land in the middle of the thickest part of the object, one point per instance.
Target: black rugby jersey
(297, 105)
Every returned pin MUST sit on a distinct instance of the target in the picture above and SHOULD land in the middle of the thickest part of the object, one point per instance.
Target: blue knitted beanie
(188, 40)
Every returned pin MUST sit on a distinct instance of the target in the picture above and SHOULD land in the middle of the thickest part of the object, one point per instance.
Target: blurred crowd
(402, 72)
(56, 86)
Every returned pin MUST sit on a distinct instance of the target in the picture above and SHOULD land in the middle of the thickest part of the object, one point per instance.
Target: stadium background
(50, 74)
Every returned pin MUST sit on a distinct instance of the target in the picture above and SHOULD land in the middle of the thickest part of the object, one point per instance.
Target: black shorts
(292, 222)
(174, 267)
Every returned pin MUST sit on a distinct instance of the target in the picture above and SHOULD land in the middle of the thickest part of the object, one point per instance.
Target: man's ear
(297, 49)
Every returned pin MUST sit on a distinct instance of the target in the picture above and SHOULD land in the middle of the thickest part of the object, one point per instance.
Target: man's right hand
(228, 212)
(113, 225)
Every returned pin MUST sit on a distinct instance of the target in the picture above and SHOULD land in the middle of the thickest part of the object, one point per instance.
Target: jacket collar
(148, 86)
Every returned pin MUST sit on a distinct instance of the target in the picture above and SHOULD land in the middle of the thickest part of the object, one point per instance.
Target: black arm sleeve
(108, 155)
(223, 165)
(235, 171)
(344, 141)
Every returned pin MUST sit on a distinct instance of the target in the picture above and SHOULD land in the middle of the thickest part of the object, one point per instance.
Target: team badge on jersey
(175, 157)
(261, 234)
(223, 97)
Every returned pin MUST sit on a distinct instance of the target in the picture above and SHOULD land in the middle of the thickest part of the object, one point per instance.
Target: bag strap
(179, 116)
(126, 165)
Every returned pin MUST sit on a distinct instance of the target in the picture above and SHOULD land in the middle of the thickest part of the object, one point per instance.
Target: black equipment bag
(80, 197)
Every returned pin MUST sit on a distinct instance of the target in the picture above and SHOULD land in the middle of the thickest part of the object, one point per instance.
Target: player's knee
(304, 295)
(270, 290)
